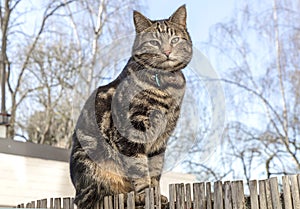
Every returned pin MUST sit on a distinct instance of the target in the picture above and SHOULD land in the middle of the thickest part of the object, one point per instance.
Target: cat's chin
(171, 65)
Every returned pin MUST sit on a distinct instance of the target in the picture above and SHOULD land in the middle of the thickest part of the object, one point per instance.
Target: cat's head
(162, 44)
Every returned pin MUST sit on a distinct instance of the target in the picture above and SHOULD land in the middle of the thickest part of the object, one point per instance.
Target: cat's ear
(141, 22)
(179, 17)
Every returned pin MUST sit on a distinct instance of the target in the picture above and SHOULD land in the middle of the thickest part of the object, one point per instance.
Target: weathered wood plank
(147, 201)
(208, 196)
(121, 201)
(287, 198)
(253, 194)
(262, 194)
(72, 206)
(51, 203)
(196, 194)
(130, 200)
(295, 191)
(38, 204)
(238, 198)
(188, 196)
(218, 195)
(172, 196)
(157, 198)
(33, 204)
(180, 196)
(152, 200)
(149, 198)
(202, 196)
(268, 195)
(115, 202)
(66, 203)
(110, 202)
(275, 193)
(43, 203)
(227, 195)
(57, 203)
(106, 204)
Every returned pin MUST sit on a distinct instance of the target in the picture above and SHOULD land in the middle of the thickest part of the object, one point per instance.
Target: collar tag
(157, 79)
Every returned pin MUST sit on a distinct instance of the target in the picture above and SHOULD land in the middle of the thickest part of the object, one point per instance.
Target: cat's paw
(164, 202)
(140, 199)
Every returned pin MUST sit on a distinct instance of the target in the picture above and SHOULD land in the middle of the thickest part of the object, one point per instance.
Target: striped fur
(123, 130)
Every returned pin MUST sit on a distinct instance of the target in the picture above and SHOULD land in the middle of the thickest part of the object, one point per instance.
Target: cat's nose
(167, 52)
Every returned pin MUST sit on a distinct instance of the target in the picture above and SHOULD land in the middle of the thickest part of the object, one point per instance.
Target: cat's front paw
(164, 202)
(140, 199)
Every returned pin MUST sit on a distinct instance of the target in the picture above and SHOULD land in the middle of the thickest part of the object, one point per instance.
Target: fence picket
(130, 200)
(196, 194)
(227, 195)
(32, 204)
(147, 199)
(106, 204)
(180, 196)
(66, 203)
(157, 198)
(295, 191)
(275, 193)
(208, 196)
(238, 198)
(287, 198)
(115, 202)
(264, 194)
(188, 196)
(218, 195)
(72, 206)
(43, 203)
(57, 203)
(253, 194)
(121, 201)
(172, 196)
(268, 194)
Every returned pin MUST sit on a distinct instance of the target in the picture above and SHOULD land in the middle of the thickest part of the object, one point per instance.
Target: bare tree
(61, 59)
(10, 23)
(256, 53)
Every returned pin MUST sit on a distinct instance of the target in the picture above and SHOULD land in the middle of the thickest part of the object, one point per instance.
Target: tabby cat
(123, 129)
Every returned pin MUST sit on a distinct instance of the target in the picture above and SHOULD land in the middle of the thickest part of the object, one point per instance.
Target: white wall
(24, 179)
(174, 178)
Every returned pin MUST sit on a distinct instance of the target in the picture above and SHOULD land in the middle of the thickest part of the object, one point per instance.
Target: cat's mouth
(167, 63)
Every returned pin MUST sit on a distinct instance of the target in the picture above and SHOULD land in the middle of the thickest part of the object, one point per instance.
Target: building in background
(30, 172)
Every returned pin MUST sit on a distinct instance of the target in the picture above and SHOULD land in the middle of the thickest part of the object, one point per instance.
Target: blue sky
(202, 14)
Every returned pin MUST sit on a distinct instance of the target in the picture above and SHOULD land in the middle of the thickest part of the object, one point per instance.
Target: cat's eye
(154, 43)
(174, 40)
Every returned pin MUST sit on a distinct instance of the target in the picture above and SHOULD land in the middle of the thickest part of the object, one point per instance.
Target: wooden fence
(263, 194)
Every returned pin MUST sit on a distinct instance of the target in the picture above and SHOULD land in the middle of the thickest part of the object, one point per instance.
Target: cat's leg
(138, 172)
(86, 188)
(156, 163)
(98, 181)
(93, 180)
